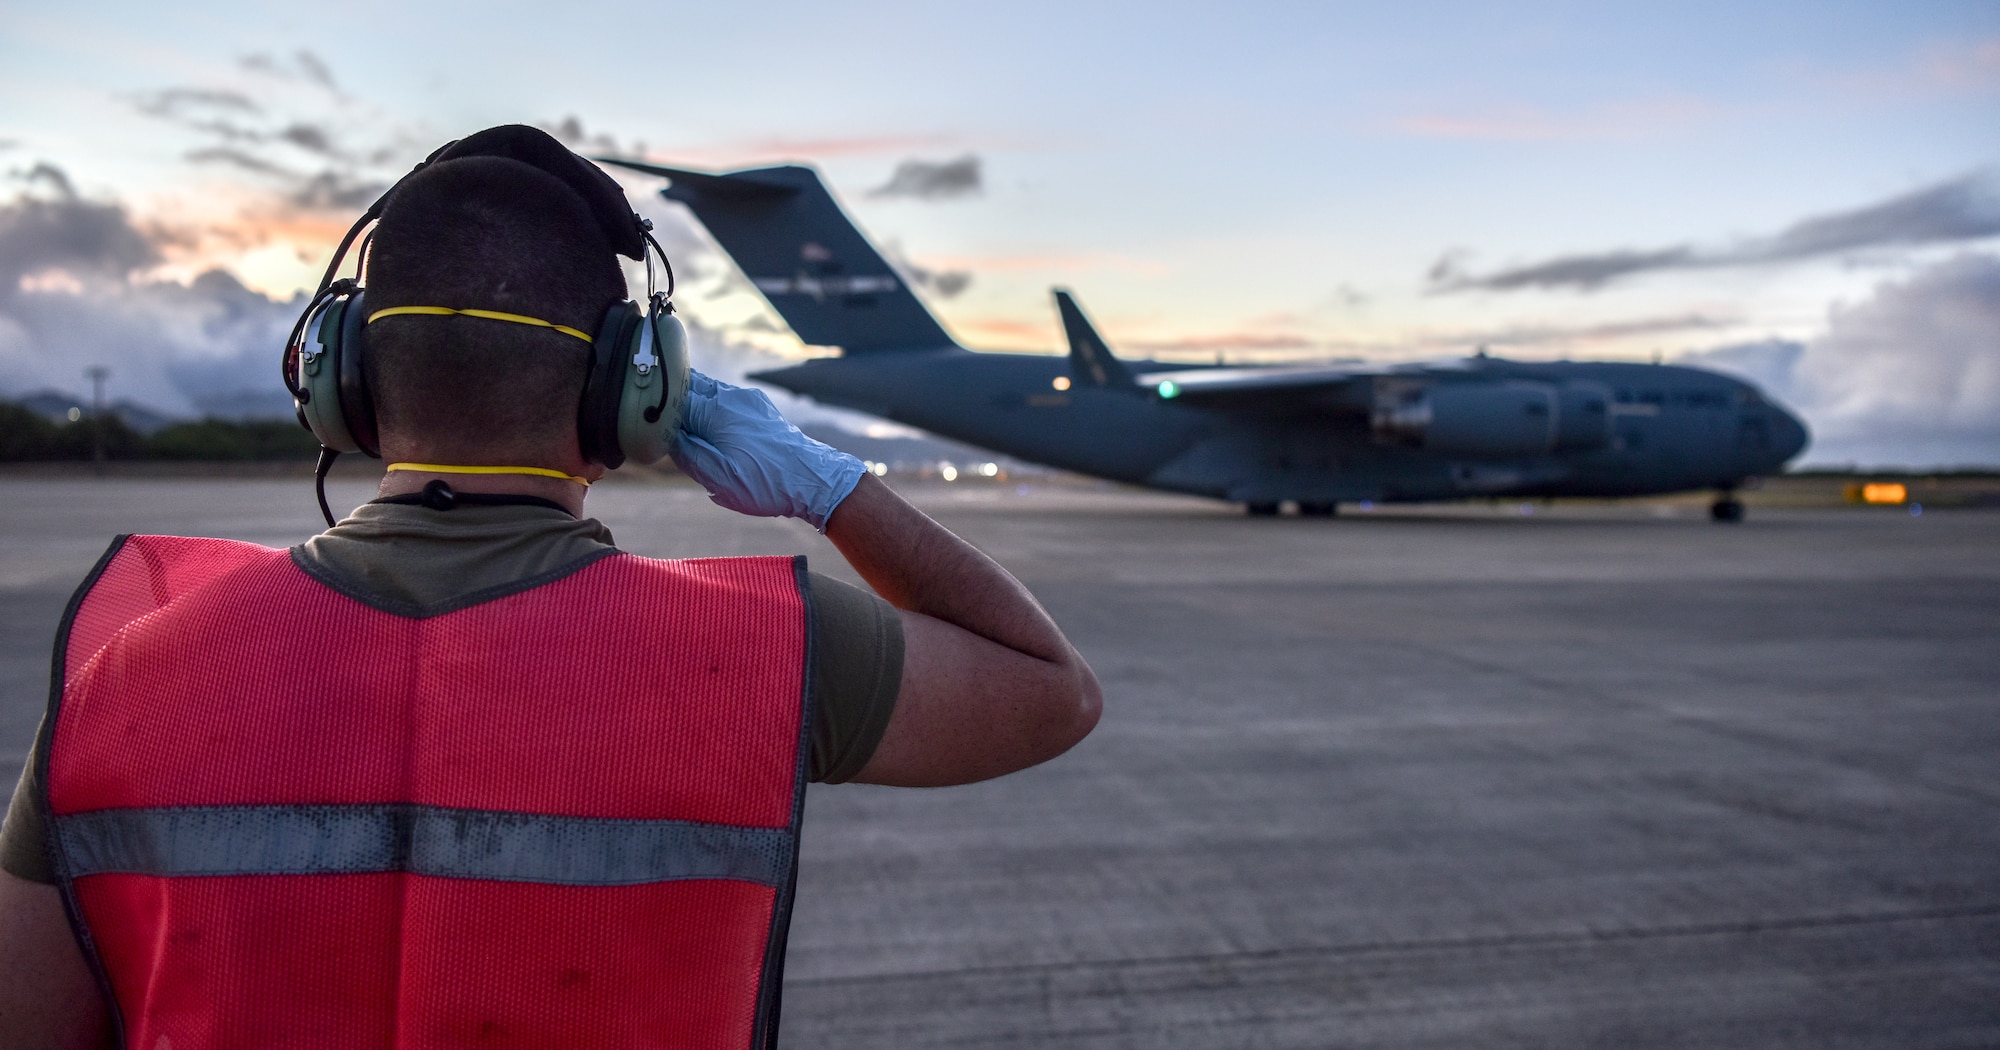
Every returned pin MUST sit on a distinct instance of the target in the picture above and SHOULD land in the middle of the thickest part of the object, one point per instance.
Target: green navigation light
(1169, 388)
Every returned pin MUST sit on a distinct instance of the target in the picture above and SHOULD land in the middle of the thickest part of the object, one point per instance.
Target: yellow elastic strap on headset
(447, 468)
(491, 315)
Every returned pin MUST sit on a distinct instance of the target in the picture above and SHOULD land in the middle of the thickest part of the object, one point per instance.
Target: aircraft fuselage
(1480, 427)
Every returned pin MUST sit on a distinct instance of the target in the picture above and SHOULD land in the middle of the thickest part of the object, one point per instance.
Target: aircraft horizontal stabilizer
(1090, 360)
(742, 184)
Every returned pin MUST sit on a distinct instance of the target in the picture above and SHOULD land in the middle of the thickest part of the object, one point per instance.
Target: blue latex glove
(734, 443)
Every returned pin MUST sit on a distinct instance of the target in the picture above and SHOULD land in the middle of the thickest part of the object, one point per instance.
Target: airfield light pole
(98, 374)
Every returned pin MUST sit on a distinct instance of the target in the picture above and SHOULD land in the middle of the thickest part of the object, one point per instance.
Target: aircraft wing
(1253, 387)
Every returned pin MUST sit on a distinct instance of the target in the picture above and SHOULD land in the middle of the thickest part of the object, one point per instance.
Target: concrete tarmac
(1594, 776)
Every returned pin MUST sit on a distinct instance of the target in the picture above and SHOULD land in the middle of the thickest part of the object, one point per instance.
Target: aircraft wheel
(1261, 510)
(1726, 509)
(1318, 510)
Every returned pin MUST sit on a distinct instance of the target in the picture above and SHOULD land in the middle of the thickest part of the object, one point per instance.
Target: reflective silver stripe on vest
(425, 840)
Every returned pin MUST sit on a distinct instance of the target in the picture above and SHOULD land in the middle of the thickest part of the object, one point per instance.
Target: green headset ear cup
(597, 417)
(319, 375)
(656, 381)
(357, 406)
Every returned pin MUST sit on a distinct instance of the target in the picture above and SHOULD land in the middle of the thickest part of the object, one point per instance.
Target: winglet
(1089, 358)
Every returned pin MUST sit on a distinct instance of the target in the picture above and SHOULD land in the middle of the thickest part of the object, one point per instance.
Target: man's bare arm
(990, 685)
(48, 999)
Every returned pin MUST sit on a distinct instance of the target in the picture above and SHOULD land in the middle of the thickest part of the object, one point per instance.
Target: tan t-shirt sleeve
(858, 669)
(23, 846)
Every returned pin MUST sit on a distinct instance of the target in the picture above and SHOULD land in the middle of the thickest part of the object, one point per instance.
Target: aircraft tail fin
(1090, 360)
(788, 235)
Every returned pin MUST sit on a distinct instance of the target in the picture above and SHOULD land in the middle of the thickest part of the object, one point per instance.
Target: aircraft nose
(1790, 435)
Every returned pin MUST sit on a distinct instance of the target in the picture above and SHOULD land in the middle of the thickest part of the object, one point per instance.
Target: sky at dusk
(1807, 194)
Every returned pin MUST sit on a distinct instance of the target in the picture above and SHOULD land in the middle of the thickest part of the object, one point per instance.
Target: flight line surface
(1596, 776)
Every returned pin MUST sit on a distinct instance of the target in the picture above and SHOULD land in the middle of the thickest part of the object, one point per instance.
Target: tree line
(28, 436)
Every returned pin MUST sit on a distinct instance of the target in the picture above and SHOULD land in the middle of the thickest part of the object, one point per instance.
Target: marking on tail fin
(1089, 358)
(821, 287)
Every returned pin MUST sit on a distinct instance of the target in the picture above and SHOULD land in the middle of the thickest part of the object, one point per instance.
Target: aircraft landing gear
(1318, 510)
(1260, 509)
(1726, 509)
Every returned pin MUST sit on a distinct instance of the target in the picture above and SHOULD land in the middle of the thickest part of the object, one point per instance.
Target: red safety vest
(565, 816)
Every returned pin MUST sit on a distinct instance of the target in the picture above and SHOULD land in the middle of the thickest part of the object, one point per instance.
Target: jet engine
(1490, 420)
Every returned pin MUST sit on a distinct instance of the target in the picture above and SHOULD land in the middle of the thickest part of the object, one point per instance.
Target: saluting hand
(734, 443)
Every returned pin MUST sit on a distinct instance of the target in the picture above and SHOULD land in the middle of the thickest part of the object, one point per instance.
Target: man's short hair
(484, 233)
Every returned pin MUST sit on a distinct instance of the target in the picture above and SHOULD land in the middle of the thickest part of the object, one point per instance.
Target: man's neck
(566, 494)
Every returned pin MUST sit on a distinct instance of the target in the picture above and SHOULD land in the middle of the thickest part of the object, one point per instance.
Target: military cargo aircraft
(1314, 436)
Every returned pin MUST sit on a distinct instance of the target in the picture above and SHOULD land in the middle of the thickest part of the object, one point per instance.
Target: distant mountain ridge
(55, 405)
(900, 453)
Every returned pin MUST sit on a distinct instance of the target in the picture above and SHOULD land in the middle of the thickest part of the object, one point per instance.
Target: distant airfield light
(75, 413)
(1885, 492)
(1916, 510)
(1527, 509)
(879, 469)
(1170, 389)
(1060, 383)
(989, 470)
(947, 472)
(1367, 505)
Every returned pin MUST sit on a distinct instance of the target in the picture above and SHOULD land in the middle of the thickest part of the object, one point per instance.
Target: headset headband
(628, 233)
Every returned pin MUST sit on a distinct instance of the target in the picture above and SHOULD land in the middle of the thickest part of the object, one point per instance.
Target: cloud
(74, 294)
(1769, 363)
(1970, 66)
(312, 138)
(1961, 209)
(1955, 68)
(300, 65)
(336, 190)
(62, 232)
(1909, 377)
(1226, 341)
(570, 132)
(305, 158)
(939, 281)
(1545, 334)
(178, 103)
(1621, 120)
(1583, 272)
(331, 189)
(933, 180)
(236, 158)
(1965, 208)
